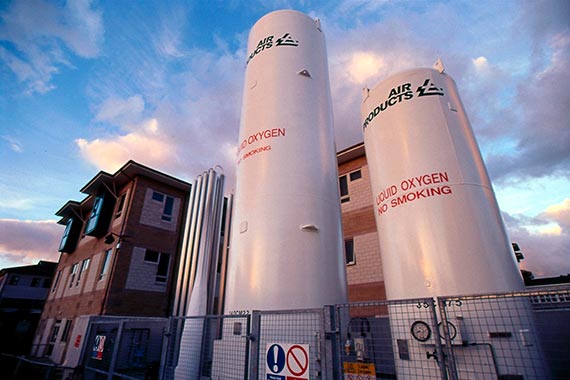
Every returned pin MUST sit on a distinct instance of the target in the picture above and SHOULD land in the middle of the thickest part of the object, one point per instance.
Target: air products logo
(403, 93)
(270, 42)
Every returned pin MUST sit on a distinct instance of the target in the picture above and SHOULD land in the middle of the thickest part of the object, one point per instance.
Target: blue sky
(87, 85)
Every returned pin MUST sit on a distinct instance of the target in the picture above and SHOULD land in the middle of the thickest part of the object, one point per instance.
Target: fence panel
(385, 339)
(124, 349)
(292, 342)
(552, 317)
(99, 348)
(212, 347)
(508, 336)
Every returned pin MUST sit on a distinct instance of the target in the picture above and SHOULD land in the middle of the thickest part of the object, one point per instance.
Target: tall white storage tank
(441, 232)
(440, 229)
(286, 247)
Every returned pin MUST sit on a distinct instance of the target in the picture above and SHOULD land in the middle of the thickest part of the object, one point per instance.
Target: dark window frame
(95, 213)
(349, 254)
(343, 188)
(84, 266)
(151, 256)
(121, 205)
(355, 175)
(66, 331)
(72, 273)
(56, 282)
(105, 263)
(163, 268)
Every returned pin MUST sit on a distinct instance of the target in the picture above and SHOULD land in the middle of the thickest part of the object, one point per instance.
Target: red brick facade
(364, 276)
(99, 291)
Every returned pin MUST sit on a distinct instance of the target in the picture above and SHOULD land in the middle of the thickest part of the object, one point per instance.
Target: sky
(87, 85)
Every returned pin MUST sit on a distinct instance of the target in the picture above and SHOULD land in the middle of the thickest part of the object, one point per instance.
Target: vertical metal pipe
(196, 237)
(215, 243)
(198, 292)
(184, 262)
(224, 253)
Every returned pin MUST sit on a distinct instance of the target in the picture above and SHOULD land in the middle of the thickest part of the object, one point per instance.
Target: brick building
(362, 248)
(119, 253)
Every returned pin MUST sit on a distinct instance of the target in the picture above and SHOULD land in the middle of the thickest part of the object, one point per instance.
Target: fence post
(165, 347)
(448, 359)
(254, 337)
(333, 335)
(116, 348)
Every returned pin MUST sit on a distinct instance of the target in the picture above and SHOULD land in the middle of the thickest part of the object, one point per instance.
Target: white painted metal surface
(286, 247)
(439, 225)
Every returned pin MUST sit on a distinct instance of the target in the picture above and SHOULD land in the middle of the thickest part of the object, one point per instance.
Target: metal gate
(124, 349)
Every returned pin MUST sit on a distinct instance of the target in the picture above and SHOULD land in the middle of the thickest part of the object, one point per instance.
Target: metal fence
(124, 349)
(500, 336)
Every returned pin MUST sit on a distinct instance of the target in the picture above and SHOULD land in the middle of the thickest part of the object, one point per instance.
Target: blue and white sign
(275, 361)
(284, 361)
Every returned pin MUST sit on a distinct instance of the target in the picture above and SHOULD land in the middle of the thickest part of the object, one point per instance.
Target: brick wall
(365, 278)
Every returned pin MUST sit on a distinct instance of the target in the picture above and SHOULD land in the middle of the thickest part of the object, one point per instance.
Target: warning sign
(98, 347)
(359, 371)
(285, 361)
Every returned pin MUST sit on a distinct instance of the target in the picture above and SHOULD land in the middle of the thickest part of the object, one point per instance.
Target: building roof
(42, 268)
(126, 173)
(350, 153)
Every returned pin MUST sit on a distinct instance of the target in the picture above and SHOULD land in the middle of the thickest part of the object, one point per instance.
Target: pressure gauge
(451, 328)
(421, 331)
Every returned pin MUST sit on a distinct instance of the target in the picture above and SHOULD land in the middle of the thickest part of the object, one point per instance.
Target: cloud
(542, 138)
(121, 112)
(146, 145)
(185, 124)
(544, 239)
(39, 36)
(364, 66)
(480, 63)
(26, 242)
(14, 144)
(559, 213)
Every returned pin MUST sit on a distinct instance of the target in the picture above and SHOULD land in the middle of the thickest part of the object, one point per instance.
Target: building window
(162, 271)
(157, 197)
(70, 235)
(167, 211)
(66, 331)
(56, 282)
(106, 263)
(357, 174)
(121, 205)
(94, 217)
(84, 266)
(55, 331)
(14, 280)
(72, 273)
(160, 258)
(151, 256)
(36, 282)
(343, 185)
(349, 257)
(168, 205)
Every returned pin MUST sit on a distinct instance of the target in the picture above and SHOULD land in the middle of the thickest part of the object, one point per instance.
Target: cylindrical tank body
(286, 240)
(439, 225)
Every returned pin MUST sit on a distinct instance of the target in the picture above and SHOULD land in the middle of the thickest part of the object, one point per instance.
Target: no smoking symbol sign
(287, 361)
(297, 360)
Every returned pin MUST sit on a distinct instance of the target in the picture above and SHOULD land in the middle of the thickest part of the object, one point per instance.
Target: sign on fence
(359, 371)
(98, 347)
(285, 361)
